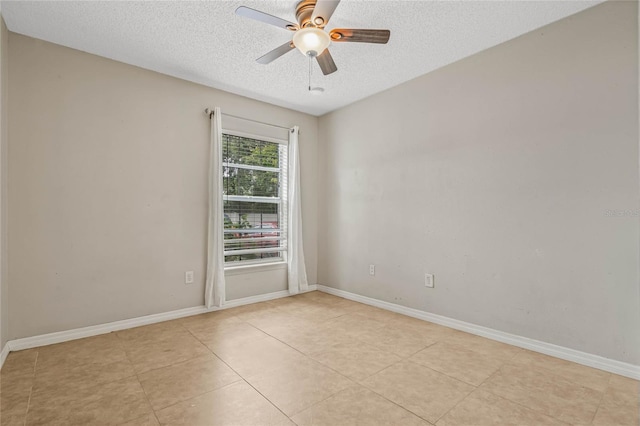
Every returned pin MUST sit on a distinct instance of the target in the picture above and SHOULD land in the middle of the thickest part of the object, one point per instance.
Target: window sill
(252, 269)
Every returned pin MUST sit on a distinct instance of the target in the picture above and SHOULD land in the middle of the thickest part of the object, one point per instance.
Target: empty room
(319, 212)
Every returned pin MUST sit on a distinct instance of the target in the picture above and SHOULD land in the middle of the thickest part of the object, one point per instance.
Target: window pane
(248, 228)
(240, 215)
(255, 183)
(265, 257)
(253, 152)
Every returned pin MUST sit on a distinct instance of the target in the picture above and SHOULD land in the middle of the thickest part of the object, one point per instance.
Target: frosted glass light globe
(311, 41)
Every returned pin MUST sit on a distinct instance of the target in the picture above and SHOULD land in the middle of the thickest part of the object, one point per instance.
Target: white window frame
(283, 209)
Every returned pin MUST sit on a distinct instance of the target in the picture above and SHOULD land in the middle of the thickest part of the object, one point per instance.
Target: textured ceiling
(205, 42)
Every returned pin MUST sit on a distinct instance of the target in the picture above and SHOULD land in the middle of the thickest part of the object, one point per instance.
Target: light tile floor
(311, 359)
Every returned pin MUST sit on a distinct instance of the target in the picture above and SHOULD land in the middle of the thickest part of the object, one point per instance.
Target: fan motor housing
(304, 9)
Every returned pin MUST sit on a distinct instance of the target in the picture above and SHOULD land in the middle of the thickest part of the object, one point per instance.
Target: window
(255, 199)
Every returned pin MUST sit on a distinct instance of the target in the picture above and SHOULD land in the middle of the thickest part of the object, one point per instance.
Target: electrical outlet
(188, 277)
(372, 269)
(428, 280)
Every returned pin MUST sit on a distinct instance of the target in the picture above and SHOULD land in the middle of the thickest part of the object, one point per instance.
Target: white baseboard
(255, 299)
(94, 330)
(261, 298)
(4, 354)
(590, 360)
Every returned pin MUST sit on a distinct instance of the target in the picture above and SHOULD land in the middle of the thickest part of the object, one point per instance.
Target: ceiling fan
(309, 34)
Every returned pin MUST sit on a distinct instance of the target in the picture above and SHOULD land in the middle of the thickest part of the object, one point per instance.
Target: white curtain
(214, 288)
(297, 273)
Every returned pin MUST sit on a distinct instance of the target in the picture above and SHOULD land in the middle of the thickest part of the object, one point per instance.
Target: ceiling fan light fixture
(311, 41)
(309, 37)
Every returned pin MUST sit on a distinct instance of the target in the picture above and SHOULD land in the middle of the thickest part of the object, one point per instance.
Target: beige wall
(108, 189)
(4, 92)
(494, 174)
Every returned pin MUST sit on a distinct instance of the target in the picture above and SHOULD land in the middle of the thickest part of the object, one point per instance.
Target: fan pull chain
(310, 58)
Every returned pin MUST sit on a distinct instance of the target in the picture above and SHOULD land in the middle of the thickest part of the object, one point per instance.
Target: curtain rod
(210, 111)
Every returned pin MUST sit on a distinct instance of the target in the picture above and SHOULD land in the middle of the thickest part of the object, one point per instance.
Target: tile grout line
(319, 362)
(35, 363)
(146, 397)
(391, 401)
(471, 384)
(191, 359)
(420, 365)
(310, 359)
(194, 396)
(163, 366)
(525, 407)
(264, 396)
(144, 392)
(595, 413)
(287, 344)
(313, 405)
(358, 382)
(440, 372)
(301, 353)
(475, 387)
(91, 386)
(478, 386)
(507, 399)
(534, 409)
(242, 378)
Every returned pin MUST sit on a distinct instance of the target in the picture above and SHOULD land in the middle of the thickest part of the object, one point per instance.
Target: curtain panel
(297, 272)
(215, 287)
